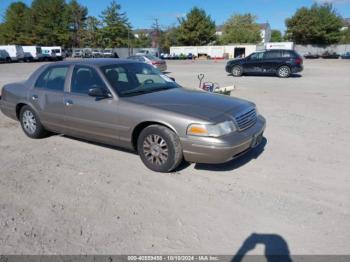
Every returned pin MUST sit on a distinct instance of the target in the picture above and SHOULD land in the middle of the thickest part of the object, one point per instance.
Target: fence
(320, 49)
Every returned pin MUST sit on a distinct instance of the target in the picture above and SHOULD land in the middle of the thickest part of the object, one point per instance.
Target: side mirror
(172, 78)
(98, 92)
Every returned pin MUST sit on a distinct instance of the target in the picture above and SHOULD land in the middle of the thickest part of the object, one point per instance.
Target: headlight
(217, 130)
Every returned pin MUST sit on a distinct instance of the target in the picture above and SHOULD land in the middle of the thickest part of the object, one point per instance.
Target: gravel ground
(64, 196)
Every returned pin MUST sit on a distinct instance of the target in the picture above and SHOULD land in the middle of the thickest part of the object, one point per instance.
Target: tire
(237, 70)
(284, 72)
(159, 149)
(31, 124)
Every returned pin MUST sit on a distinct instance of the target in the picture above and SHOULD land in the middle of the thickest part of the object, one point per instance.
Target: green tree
(169, 38)
(276, 36)
(197, 28)
(14, 30)
(142, 40)
(116, 27)
(76, 15)
(241, 29)
(319, 24)
(92, 32)
(50, 25)
(346, 36)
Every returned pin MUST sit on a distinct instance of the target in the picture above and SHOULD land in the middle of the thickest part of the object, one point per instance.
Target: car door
(90, 117)
(272, 61)
(253, 63)
(47, 97)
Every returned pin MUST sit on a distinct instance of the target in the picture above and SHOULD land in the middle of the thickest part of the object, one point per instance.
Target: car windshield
(136, 78)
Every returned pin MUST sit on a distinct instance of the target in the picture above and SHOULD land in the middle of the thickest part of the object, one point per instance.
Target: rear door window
(257, 56)
(272, 54)
(53, 78)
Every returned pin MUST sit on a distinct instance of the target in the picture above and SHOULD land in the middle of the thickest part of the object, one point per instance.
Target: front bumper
(220, 150)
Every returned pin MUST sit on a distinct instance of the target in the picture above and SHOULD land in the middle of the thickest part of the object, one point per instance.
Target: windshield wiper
(146, 91)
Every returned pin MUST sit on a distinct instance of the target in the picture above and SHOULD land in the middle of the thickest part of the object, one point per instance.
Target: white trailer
(57, 50)
(15, 52)
(281, 45)
(32, 53)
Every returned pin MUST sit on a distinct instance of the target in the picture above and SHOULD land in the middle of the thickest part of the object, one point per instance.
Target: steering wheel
(148, 82)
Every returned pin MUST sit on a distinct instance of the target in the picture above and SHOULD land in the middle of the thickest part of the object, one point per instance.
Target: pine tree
(14, 30)
(116, 27)
(197, 28)
(76, 16)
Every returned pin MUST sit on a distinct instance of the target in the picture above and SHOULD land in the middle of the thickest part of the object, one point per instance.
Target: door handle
(34, 97)
(69, 102)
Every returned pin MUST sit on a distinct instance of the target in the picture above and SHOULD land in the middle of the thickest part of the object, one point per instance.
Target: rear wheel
(31, 124)
(284, 72)
(237, 70)
(159, 148)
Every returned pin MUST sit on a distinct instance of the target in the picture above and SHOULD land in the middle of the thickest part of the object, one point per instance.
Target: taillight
(299, 61)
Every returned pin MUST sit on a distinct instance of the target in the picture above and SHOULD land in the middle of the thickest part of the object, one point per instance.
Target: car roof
(94, 61)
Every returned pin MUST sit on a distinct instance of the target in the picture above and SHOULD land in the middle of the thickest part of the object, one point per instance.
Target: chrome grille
(246, 119)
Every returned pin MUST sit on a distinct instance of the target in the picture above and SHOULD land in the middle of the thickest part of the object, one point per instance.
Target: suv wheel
(237, 70)
(159, 148)
(31, 124)
(284, 71)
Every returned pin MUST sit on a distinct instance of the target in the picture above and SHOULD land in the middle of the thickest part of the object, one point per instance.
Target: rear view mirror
(98, 92)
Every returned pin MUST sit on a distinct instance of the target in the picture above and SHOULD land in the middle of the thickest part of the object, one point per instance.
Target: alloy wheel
(29, 122)
(155, 149)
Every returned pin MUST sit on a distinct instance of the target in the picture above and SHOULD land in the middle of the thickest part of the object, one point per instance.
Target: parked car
(311, 56)
(270, 62)
(87, 53)
(134, 106)
(328, 55)
(4, 56)
(97, 53)
(48, 55)
(78, 53)
(56, 50)
(151, 60)
(32, 53)
(346, 56)
(109, 53)
(15, 52)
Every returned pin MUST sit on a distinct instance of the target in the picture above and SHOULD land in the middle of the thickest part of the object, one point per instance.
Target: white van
(53, 49)
(32, 53)
(15, 52)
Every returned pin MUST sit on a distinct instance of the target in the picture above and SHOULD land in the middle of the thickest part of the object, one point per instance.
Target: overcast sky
(141, 13)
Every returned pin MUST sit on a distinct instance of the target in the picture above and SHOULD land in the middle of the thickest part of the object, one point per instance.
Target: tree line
(57, 22)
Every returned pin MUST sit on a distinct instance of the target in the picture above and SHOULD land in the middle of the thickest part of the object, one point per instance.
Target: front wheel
(237, 70)
(31, 124)
(159, 148)
(284, 72)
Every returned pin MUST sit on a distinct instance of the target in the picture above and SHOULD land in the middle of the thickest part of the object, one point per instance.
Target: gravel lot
(63, 196)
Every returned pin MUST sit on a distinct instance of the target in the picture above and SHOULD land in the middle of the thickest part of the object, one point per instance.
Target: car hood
(203, 105)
